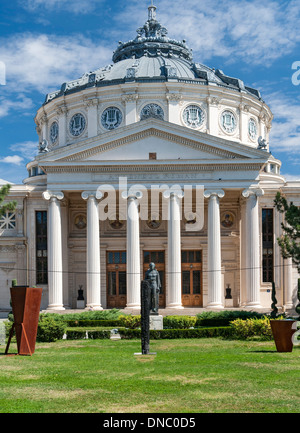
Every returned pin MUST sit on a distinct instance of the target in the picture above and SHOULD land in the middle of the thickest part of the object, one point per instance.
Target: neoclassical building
(154, 158)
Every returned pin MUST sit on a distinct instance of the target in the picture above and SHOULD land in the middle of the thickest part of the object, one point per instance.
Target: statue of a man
(152, 275)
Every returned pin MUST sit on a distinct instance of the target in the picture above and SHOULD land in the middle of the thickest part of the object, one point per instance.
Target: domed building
(154, 158)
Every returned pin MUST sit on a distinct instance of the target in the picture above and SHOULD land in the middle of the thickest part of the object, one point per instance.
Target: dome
(152, 56)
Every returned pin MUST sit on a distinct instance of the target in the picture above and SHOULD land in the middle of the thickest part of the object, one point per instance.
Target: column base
(253, 305)
(92, 307)
(132, 307)
(175, 306)
(55, 307)
(215, 306)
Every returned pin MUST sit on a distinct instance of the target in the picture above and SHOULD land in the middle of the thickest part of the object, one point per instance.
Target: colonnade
(173, 300)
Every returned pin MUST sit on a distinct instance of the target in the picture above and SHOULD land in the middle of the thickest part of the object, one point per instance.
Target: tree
(289, 242)
(7, 207)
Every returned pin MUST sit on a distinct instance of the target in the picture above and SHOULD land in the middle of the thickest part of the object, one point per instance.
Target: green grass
(195, 375)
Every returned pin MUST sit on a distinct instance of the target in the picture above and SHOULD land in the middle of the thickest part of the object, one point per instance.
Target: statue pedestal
(80, 304)
(156, 322)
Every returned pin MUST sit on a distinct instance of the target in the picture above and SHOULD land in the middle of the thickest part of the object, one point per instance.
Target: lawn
(207, 375)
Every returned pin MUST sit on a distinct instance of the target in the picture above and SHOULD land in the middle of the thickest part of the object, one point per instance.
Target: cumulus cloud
(12, 159)
(43, 62)
(253, 31)
(76, 6)
(285, 132)
(18, 102)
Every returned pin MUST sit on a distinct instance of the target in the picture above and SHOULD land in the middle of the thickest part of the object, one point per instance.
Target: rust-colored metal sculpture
(283, 331)
(26, 303)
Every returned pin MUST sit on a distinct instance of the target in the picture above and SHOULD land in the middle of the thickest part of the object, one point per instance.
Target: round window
(77, 124)
(111, 118)
(228, 121)
(193, 116)
(54, 132)
(152, 110)
(252, 129)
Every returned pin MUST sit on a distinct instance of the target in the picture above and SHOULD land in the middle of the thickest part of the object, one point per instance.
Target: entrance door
(116, 279)
(191, 271)
(157, 257)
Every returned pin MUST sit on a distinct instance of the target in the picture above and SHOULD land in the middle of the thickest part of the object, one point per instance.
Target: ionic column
(92, 113)
(55, 267)
(133, 270)
(129, 100)
(215, 286)
(174, 250)
(93, 285)
(253, 258)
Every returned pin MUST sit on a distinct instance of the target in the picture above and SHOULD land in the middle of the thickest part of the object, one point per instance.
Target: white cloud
(253, 31)
(75, 6)
(43, 62)
(27, 149)
(285, 132)
(13, 159)
(17, 102)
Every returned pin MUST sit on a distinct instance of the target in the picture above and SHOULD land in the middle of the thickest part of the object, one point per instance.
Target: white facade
(120, 131)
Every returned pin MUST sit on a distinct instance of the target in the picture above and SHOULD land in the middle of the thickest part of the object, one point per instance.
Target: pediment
(164, 140)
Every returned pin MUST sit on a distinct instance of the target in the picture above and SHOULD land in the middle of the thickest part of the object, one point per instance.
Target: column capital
(94, 194)
(49, 195)
(258, 192)
(214, 192)
(132, 195)
(169, 193)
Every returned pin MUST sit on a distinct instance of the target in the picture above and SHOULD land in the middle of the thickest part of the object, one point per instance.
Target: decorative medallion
(80, 222)
(252, 129)
(228, 121)
(193, 116)
(77, 124)
(227, 220)
(116, 224)
(152, 110)
(153, 223)
(111, 118)
(54, 132)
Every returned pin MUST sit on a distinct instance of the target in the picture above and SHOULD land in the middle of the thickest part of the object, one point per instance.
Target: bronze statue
(152, 275)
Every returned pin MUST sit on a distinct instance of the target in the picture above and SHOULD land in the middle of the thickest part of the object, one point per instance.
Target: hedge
(127, 333)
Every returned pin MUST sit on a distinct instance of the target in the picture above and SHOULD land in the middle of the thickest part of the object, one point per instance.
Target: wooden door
(116, 279)
(191, 271)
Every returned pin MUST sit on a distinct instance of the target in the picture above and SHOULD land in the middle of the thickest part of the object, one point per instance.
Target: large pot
(283, 331)
(26, 303)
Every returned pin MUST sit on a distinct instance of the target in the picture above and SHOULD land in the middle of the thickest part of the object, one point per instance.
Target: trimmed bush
(178, 333)
(252, 328)
(129, 321)
(50, 330)
(92, 323)
(179, 322)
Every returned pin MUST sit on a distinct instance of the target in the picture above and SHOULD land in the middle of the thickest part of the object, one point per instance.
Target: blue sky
(45, 43)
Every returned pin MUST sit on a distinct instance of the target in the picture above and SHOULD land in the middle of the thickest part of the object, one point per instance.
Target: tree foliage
(7, 207)
(289, 242)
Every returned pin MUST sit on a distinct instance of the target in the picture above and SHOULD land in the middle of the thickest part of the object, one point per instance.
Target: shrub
(179, 322)
(253, 327)
(129, 321)
(178, 333)
(50, 330)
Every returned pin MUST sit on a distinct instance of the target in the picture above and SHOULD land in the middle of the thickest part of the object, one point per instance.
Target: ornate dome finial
(152, 12)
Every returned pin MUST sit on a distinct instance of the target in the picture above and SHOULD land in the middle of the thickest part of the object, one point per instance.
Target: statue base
(156, 322)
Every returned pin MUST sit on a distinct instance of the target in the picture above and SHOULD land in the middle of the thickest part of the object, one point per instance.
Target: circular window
(228, 121)
(193, 116)
(252, 129)
(152, 110)
(54, 132)
(111, 118)
(77, 124)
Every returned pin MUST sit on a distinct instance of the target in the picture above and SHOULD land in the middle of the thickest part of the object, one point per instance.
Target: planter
(283, 331)
(26, 303)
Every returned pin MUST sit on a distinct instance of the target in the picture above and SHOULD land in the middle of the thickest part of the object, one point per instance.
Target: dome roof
(152, 56)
